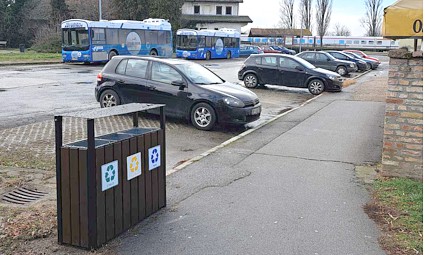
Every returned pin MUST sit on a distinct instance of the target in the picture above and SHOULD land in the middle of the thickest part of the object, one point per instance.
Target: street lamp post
(100, 10)
(301, 36)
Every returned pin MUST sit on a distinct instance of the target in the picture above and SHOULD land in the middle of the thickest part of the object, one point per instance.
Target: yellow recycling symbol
(134, 165)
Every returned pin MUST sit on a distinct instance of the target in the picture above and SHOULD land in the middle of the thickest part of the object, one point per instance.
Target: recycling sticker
(154, 157)
(134, 165)
(109, 175)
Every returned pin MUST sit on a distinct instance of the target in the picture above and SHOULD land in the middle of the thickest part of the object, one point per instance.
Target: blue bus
(98, 41)
(207, 44)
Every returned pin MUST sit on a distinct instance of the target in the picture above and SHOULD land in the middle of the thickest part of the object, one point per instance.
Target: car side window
(121, 67)
(136, 68)
(164, 73)
(269, 61)
(308, 56)
(288, 63)
(338, 55)
(321, 57)
(258, 61)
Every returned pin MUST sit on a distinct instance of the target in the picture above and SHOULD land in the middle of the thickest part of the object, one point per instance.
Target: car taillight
(99, 77)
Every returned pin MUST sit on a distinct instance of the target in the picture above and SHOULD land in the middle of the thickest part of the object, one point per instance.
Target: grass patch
(348, 82)
(28, 56)
(397, 206)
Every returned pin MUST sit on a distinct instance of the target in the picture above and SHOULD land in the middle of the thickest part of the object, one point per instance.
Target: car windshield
(198, 74)
(354, 55)
(305, 63)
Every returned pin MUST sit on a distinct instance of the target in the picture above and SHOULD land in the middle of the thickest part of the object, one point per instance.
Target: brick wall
(403, 130)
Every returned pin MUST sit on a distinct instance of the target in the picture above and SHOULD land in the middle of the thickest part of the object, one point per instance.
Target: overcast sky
(266, 13)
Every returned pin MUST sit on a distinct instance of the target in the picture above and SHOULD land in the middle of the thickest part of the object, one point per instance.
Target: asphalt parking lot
(34, 94)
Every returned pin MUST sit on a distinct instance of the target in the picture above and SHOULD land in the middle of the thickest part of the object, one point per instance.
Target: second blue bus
(98, 41)
(207, 44)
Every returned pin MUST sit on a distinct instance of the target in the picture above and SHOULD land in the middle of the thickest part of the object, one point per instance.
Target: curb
(30, 63)
(235, 138)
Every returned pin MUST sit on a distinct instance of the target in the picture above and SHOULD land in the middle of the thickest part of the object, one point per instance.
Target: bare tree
(323, 17)
(341, 30)
(372, 21)
(306, 14)
(287, 15)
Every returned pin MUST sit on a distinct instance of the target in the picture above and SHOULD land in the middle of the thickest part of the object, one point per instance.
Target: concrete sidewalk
(288, 188)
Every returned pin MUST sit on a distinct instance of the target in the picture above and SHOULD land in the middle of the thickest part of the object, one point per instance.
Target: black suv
(189, 90)
(286, 70)
(326, 61)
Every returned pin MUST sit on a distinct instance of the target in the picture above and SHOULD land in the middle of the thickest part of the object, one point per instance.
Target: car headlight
(332, 77)
(352, 65)
(230, 101)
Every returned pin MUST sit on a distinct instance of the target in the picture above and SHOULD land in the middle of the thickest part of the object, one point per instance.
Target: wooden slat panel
(118, 190)
(126, 187)
(84, 225)
(148, 176)
(155, 191)
(101, 230)
(141, 178)
(75, 197)
(134, 188)
(161, 173)
(109, 198)
(66, 196)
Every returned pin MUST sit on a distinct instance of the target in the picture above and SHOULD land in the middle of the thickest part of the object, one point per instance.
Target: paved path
(287, 188)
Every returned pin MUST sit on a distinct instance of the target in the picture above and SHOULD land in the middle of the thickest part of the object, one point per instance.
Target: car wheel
(208, 55)
(203, 116)
(316, 87)
(153, 53)
(112, 54)
(341, 70)
(250, 80)
(229, 55)
(369, 66)
(109, 98)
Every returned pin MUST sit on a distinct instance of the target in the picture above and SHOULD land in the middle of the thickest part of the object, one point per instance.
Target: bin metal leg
(162, 116)
(136, 119)
(91, 185)
(58, 139)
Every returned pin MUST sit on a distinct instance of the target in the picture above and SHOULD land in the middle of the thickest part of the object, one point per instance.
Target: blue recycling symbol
(110, 173)
(154, 156)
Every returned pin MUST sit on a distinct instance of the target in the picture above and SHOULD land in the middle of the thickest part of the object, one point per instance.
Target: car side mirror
(329, 59)
(299, 68)
(180, 84)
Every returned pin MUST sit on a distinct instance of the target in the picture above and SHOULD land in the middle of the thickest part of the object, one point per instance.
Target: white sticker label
(154, 157)
(134, 165)
(109, 175)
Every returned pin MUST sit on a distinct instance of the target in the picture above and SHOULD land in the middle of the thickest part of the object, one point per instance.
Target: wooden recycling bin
(107, 184)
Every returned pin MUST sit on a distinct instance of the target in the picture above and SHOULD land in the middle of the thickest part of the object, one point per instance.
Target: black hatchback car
(287, 70)
(189, 90)
(326, 61)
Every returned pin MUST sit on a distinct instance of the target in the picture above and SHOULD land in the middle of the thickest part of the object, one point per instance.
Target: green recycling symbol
(110, 173)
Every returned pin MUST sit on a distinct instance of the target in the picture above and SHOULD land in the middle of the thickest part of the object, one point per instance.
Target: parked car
(361, 65)
(287, 70)
(371, 63)
(247, 50)
(189, 90)
(363, 55)
(283, 50)
(326, 61)
(269, 49)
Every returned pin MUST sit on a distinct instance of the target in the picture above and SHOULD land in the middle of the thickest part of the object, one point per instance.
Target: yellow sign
(134, 165)
(404, 19)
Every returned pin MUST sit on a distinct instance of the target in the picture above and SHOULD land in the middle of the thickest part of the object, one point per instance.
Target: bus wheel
(229, 55)
(112, 54)
(153, 53)
(208, 55)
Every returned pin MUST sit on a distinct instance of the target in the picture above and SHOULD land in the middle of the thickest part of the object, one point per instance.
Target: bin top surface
(112, 111)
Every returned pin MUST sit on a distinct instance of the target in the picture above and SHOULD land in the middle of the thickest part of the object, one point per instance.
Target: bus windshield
(75, 39)
(187, 42)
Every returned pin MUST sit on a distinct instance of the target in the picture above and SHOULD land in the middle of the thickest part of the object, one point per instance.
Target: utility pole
(100, 10)
(301, 35)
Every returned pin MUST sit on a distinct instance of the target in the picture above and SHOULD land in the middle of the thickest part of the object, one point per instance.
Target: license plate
(256, 111)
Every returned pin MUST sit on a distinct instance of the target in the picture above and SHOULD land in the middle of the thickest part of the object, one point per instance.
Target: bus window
(112, 36)
(162, 37)
(208, 41)
(235, 43)
(227, 42)
(98, 35)
(201, 41)
(151, 37)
